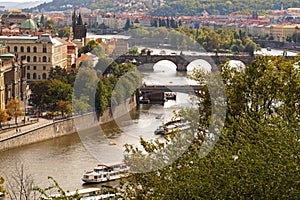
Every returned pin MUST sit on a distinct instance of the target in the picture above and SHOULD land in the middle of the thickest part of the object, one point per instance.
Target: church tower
(79, 29)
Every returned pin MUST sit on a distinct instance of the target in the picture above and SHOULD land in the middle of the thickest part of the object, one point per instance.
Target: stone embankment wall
(65, 127)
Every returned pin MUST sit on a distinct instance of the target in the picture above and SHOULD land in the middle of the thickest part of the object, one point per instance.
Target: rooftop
(29, 24)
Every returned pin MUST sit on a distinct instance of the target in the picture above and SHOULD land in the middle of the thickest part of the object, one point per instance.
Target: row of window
(34, 49)
(34, 68)
(35, 76)
(34, 59)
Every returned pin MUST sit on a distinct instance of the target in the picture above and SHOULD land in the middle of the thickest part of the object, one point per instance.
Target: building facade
(12, 77)
(41, 53)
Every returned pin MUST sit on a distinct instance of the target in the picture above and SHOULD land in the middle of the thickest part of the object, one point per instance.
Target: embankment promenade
(49, 129)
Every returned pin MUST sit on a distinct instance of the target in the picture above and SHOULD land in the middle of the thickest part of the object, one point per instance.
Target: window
(15, 49)
(49, 60)
(34, 67)
(44, 59)
(34, 49)
(44, 76)
(28, 67)
(39, 59)
(28, 49)
(28, 58)
(22, 49)
(44, 67)
(8, 49)
(44, 48)
(34, 59)
(34, 76)
(28, 75)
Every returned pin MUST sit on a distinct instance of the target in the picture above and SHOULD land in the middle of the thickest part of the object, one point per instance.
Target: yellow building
(281, 32)
(40, 52)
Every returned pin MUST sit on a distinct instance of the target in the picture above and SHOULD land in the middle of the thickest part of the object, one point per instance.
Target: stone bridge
(182, 61)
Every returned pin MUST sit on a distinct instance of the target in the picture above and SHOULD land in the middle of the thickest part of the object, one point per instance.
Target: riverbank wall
(67, 126)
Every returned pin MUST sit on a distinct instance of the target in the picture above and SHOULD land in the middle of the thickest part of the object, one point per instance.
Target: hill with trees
(172, 7)
(196, 7)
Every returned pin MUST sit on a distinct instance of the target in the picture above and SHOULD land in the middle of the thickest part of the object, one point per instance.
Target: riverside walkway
(23, 128)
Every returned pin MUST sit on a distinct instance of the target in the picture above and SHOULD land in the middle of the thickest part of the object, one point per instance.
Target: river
(66, 158)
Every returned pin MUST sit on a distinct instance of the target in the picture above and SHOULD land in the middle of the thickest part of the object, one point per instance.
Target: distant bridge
(156, 93)
(182, 61)
(170, 88)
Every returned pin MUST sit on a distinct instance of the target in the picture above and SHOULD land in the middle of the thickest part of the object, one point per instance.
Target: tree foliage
(3, 116)
(257, 155)
(14, 108)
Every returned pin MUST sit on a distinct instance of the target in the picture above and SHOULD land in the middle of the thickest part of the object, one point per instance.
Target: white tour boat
(103, 173)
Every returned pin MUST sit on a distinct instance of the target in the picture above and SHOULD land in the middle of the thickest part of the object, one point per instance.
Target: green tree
(133, 50)
(261, 127)
(61, 74)
(250, 47)
(14, 107)
(81, 104)
(64, 107)
(88, 47)
(127, 25)
(40, 96)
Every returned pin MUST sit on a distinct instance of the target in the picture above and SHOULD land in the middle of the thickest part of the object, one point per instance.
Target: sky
(23, 1)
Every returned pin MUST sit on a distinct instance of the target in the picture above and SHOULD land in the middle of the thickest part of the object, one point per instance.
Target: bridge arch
(237, 64)
(199, 64)
(168, 66)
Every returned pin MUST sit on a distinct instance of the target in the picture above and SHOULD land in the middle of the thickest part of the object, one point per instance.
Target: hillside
(195, 7)
(172, 7)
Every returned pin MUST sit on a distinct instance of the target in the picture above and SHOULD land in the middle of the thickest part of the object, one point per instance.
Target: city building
(14, 17)
(12, 77)
(72, 54)
(41, 52)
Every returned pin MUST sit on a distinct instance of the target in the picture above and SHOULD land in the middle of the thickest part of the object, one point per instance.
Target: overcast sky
(23, 0)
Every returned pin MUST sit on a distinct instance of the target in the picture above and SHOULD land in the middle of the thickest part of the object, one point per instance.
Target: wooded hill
(175, 7)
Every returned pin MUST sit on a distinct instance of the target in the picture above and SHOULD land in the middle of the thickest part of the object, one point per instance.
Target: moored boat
(172, 126)
(103, 173)
(85, 194)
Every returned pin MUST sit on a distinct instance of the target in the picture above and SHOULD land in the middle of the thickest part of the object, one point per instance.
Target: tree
(13, 106)
(250, 47)
(64, 107)
(81, 104)
(261, 127)
(88, 47)
(133, 50)
(20, 184)
(127, 24)
(47, 93)
(3, 116)
(40, 95)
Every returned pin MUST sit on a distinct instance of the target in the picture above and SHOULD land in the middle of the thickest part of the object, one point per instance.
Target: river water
(66, 158)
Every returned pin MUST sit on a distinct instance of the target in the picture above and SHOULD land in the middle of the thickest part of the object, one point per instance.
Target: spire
(79, 19)
(42, 20)
(74, 18)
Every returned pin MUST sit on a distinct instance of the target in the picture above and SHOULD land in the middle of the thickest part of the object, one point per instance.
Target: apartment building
(41, 52)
